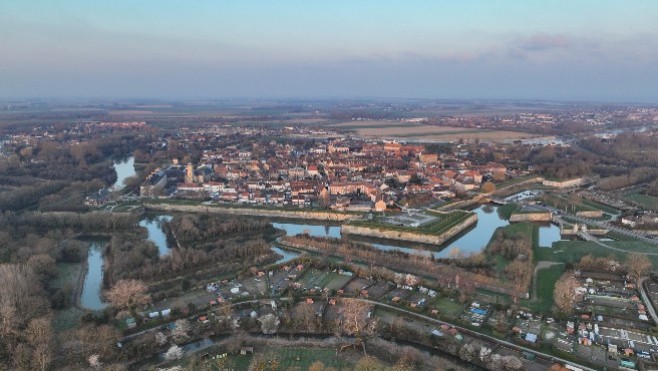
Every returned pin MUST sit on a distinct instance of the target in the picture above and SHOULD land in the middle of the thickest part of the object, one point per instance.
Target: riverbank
(249, 211)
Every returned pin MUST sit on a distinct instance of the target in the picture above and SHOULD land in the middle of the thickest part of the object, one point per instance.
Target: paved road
(516, 347)
(645, 298)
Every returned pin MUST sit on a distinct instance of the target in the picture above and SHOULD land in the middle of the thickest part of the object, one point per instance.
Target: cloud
(543, 42)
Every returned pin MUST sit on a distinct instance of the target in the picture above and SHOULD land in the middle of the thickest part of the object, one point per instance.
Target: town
(314, 243)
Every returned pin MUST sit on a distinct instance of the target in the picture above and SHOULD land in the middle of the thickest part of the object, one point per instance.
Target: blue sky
(566, 50)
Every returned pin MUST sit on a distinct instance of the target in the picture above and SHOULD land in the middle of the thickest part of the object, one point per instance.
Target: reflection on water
(155, 232)
(293, 229)
(287, 255)
(91, 290)
(125, 169)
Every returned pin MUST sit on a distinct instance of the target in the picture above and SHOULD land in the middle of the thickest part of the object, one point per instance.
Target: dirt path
(540, 265)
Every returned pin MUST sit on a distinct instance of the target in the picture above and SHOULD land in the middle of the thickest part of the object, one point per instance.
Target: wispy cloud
(543, 42)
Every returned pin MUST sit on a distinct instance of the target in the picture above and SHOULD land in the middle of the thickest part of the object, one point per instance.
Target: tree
(95, 361)
(564, 293)
(39, 334)
(43, 265)
(126, 294)
(638, 265)
(175, 352)
(368, 363)
(160, 338)
(180, 332)
(488, 187)
(269, 324)
(354, 317)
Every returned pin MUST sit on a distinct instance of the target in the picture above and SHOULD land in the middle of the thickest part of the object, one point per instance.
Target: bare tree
(269, 324)
(126, 294)
(564, 293)
(175, 352)
(181, 331)
(638, 265)
(39, 334)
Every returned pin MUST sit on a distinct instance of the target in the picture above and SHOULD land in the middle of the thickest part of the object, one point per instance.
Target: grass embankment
(67, 278)
(506, 211)
(286, 358)
(437, 227)
(649, 202)
(546, 279)
(572, 251)
(520, 231)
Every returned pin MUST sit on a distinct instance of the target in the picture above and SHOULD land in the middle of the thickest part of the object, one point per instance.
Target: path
(645, 298)
(540, 265)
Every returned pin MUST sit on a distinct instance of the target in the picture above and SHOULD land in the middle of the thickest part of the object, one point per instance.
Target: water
(549, 234)
(125, 169)
(474, 241)
(313, 230)
(287, 254)
(524, 195)
(91, 290)
(155, 233)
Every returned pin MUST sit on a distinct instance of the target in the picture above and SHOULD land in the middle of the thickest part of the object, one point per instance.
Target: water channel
(91, 290)
(125, 168)
(472, 241)
(156, 235)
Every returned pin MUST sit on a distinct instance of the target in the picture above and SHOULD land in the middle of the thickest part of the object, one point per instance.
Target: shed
(246, 350)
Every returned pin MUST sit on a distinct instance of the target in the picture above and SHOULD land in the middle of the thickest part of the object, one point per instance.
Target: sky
(593, 50)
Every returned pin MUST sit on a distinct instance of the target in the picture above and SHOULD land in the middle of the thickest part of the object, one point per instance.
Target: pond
(548, 234)
(125, 168)
(155, 233)
(91, 290)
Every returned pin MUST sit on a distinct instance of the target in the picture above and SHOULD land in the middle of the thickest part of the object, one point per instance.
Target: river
(91, 290)
(125, 168)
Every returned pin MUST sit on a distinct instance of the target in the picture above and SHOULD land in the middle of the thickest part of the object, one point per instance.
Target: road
(478, 335)
(600, 224)
(645, 298)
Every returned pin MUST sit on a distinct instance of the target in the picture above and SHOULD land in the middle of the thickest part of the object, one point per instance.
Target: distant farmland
(436, 133)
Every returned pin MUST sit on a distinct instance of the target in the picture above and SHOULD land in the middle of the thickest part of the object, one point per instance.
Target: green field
(447, 308)
(546, 279)
(572, 251)
(441, 225)
(287, 358)
(649, 202)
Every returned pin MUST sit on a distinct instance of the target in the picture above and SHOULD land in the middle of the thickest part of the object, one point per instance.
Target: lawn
(650, 202)
(444, 222)
(67, 273)
(303, 358)
(546, 279)
(66, 319)
(447, 308)
(505, 211)
(572, 251)
(512, 231)
(334, 281)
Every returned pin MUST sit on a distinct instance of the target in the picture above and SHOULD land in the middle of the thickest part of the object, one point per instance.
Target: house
(246, 350)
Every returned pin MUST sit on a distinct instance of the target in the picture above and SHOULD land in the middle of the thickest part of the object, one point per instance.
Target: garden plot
(357, 285)
(379, 289)
(333, 281)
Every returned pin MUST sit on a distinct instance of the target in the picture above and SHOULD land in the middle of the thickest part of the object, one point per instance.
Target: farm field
(448, 133)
